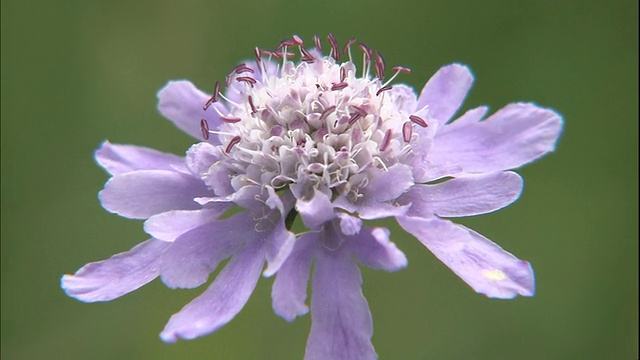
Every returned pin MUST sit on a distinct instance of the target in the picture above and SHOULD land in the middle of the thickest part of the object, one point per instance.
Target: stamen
(247, 79)
(379, 65)
(368, 53)
(339, 86)
(284, 43)
(343, 74)
(230, 119)
(401, 69)
(335, 51)
(407, 131)
(354, 117)
(306, 56)
(418, 120)
(257, 53)
(316, 40)
(360, 110)
(235, 140)
(346, 46)
(386, 140)
(297, 40)
(384, 88)
(242, 68)
(204, 127)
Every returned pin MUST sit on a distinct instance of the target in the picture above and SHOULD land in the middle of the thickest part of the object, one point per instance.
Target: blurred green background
(77, 72)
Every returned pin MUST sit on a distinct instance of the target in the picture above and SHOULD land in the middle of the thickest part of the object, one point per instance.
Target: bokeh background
(75, 73)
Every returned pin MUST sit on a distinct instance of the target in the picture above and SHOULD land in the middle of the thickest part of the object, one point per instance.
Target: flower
(320, 141)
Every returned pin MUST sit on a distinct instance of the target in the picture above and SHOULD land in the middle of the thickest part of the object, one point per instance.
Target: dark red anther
(214, 97)
(354, 117)
(339, 86)
(343, 74)
(316, 40)
(401, 69)
(360, 110)
(407, 131)
(234, 141)
(327, 111)
(204, 127)
(253, 107)
(248, 79)
(379, 66)
(386, 140)
(306, 56)
(230, 119)
(284, 43)
(346, 46)
(335, 51)
(368, 53)
(242, 68)
(297, 40)
(384, 88)
(418, 120)
(257, 53)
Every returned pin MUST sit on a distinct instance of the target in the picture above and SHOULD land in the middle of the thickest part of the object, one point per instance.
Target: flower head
(317, 139)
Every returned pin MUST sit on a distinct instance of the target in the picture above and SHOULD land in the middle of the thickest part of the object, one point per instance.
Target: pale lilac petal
(341, 325)
(167, 226)
(224, 298)
(289, 290)
(201, 156)
(182, 103)
(372, 247)
(349, 225)
(120, 159)
(485, 266)
(120, 274)
(190, 259)
(280, 242)
(445, 91)
(141, 194)
(516, 135)
(465, 196)
(315, 211)
(404, 97)
(390, 184)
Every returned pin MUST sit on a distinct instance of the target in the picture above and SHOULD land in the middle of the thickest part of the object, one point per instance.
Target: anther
(285, 43)
(418, 120)
(297, 40)
(253, 107)
(346, 46)
(407, 131)
(242, 68)
(230, 119)
(401, 69)
(247, 79)
(234, 141)
(386, 140)
(368, 53)
(384, 88)
(360, 110)
(257, 53)
(339, 86)
(354, 117)
(343, 74)
(379, 66)
(335, 51)
(316, 40)
(204, 127)
(214, 97)
(327, 111)
(306, 56)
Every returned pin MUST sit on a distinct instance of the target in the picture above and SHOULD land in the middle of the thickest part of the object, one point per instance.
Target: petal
(465, 196)
(390, 184)
(141, 194)
(515, 135)
(122, 273)
(201, 156)
(224, 298)
(182, 103)
(315, 211)
(445, 91)
(349, 225)
(483, 265)
(120, 159)
(280, 242)
(341, 325)
(289, 290)
(167, 226)
(194, 255)
(372, 247)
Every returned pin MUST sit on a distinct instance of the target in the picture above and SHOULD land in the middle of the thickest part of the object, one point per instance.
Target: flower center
(316, 122)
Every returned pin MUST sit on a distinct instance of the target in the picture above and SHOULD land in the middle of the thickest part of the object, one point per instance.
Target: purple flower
(320, 141)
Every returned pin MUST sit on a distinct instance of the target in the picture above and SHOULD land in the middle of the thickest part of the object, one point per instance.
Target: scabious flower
(317, 140)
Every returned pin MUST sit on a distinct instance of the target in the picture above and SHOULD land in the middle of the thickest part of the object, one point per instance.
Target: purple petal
(465, 196)
(289, 290)
(141, 194)
(372, 247)
(341, 325)
(390, 184)
(182, 103)
(120, 159)
(485, 266)
(280, 242)
(169, 225)
(315, 211)
(445, 91)
(200, 157)
(516, 135)
(194, 255)
(120, 274)
(224, 298)
(349, 225)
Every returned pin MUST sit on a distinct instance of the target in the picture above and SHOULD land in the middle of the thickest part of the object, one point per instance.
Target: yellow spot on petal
(496, 274)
